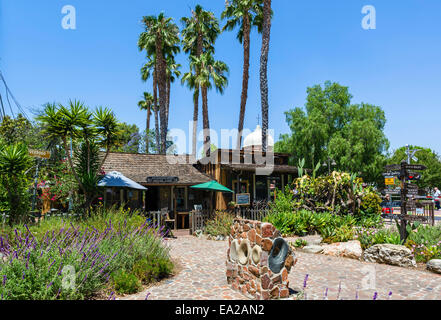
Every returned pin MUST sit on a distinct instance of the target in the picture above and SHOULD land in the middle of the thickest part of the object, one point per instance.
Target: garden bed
(110, 253)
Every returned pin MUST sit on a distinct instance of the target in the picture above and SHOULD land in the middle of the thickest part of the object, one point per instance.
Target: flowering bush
(425, 243)
(74, 261)
(339, 193)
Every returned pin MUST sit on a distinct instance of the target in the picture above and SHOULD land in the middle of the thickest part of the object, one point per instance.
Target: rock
(390, 254)
(434, 265)
(312, 249)
(3, 257)
(351, 249)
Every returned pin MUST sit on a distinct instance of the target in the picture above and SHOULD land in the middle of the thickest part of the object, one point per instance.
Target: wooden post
(403, 226)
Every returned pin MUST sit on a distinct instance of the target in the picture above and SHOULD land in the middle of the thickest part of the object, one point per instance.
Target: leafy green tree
(128, 139)
(330, 126)
(431, 177)
(14, 130)
(14, 162)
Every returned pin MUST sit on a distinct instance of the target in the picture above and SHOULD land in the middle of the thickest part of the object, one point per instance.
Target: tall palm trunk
(147, 141)
(195, 119)
(196, 97)
(207, 139)
(264, 71)
(162, 84)
(168, 87)
(245, 77)
(155, 102)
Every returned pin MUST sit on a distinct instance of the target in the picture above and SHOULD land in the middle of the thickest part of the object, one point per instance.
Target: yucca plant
(14, 161)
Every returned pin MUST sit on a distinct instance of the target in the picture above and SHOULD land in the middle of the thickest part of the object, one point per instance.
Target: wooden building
(243, 178)
(168, 180)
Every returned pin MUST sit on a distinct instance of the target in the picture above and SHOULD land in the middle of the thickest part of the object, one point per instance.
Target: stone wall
(258, 260)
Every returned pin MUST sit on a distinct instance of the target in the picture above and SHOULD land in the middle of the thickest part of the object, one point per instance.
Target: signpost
(408, 191)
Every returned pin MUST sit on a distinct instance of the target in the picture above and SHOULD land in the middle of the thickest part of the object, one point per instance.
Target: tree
(243, 14)
(431, 177)
(146, 71)
(173, 73)
(75, 122)
(162, 35)
(147, 105)
(128, 139)
(266, 33)
(330, 126)
(199, 35)
(210, 73)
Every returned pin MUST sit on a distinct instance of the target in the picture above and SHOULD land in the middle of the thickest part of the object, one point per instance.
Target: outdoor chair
(167, 220)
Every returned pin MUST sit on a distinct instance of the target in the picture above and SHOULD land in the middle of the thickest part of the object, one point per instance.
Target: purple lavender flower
(147, 296)
(305, 281)
(375, 296)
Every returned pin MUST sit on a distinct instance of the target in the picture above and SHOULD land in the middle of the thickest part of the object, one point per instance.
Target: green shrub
(125, 283)
(370, 203)
(149, 270)
(425, 243)
(369, 237)
(220, 225)
(300, 243)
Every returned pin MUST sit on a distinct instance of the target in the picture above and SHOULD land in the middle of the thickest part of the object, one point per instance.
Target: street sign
(410, 186)
(415, 167)
(414, 218)
(392, 174)
(39, 154)
(392, 167)
(391, 204)
(392, 191)
(389, 181)
(412, 192)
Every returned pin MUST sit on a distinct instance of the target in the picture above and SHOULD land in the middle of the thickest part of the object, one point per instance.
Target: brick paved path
(203, 276)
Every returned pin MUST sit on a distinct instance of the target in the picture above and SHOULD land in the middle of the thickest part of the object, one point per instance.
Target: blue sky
(397, 66)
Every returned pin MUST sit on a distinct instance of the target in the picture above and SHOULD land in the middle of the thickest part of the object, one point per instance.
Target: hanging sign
(39, 154)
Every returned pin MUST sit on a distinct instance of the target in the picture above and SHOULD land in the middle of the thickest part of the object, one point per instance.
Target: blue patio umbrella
(117, 179)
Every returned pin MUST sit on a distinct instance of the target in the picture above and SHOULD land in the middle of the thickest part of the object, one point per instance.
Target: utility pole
(34, 196)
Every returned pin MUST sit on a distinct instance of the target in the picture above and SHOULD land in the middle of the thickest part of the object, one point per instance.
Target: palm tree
(266, 33)
(162, 35)
(147, 71)
(173, 73)
(147, 105)
(210, 72)
(200, 32)
(245, 14)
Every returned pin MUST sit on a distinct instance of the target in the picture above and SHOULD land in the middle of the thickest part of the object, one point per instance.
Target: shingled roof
(140, 166)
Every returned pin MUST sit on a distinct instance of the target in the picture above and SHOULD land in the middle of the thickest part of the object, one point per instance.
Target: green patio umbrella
(212, 186)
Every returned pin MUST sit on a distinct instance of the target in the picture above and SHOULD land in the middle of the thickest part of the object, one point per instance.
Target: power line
(9, 93)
